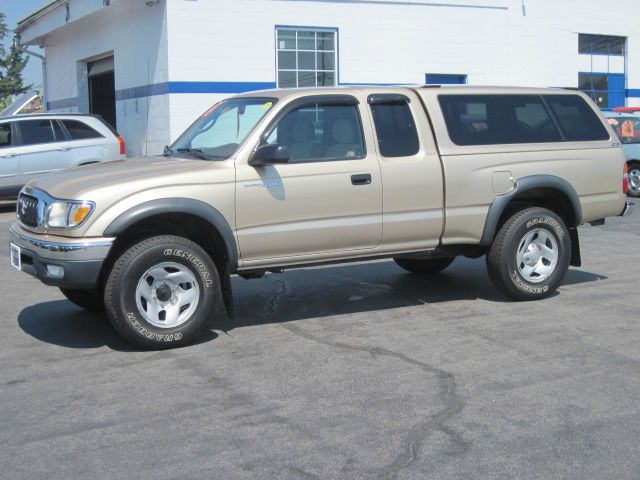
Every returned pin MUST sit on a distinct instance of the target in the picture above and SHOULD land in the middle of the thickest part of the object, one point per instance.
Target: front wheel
(634, 180)
(161, 293)
(530, 254)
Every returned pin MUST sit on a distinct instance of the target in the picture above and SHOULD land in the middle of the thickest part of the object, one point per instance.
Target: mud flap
(225, 288)
(576, 261)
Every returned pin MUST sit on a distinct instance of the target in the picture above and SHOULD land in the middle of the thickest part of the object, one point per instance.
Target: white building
(152, 66)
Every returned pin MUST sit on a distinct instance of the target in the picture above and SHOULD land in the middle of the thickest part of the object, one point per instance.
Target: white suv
(33, 145)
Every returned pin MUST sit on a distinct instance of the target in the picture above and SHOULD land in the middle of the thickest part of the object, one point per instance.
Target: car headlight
(63, 214)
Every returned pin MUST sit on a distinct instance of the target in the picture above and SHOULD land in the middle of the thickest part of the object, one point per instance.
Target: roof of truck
(282, 93)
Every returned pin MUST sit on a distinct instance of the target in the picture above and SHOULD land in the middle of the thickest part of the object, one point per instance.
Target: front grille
(27, 210)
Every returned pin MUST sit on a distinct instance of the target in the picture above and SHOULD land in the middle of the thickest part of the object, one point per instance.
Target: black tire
(90, 300)
(134, 264)
(502, 263)
(424, 266)
(634, 170)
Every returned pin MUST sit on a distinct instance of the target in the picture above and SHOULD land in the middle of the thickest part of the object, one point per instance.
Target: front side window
(627, 128)
(320, 132)
(306, 57)
(497, 119)
(395, 129)
(5, 135)
(220, 131)
(34, 132)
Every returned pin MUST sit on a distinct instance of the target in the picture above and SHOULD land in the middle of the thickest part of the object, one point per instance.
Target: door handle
(362, 179)
(64, 149)
(8, 155)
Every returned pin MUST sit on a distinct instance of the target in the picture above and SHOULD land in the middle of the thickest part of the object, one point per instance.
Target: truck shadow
(293, 295)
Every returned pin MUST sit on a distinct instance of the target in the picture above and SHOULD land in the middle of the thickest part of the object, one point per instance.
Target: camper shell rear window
(513, 119)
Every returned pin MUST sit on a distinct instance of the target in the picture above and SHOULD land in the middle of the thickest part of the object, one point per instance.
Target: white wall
(136, 34)
(494, 42)
(504, 44)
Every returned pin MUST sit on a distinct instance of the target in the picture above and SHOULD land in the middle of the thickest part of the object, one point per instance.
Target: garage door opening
(102, 89)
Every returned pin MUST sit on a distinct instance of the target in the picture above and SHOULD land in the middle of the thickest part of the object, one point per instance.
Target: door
(42, 148)
(327, 198)
(9, 164)
(102, 89)
(410, 165)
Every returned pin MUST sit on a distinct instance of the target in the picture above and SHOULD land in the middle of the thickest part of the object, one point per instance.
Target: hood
(120, 178)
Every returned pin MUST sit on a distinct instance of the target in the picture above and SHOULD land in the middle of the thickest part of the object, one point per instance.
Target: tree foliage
(12, 64)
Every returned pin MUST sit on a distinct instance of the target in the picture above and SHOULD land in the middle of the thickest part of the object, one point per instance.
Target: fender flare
(178, 205)
(522, 185)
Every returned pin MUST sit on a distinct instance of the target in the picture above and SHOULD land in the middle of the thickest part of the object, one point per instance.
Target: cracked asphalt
(356, 371)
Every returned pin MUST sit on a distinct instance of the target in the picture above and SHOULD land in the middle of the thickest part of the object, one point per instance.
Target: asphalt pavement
(357, 371)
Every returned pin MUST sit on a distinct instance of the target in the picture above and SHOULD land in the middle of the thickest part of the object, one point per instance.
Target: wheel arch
(546, 191)
(192, 219)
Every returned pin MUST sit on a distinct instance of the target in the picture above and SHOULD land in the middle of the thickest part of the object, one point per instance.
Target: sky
(14, 10)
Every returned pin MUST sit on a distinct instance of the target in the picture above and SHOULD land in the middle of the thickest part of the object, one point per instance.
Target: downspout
(42, 58)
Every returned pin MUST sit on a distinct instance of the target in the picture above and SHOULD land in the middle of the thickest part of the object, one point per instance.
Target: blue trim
(445, 79)
(62, 103)
(190, 87)
(633, 92)
(142, 91)
(218, 87)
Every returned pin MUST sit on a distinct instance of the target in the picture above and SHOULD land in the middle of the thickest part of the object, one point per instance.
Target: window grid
(281, 39)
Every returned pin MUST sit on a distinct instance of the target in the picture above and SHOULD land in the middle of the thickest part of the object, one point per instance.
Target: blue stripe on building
(62, 103)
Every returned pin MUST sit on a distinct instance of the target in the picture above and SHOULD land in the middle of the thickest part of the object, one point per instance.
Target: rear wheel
(530, 254)
(634, 180)
(161, 293)
(90, 300)
(424, 266)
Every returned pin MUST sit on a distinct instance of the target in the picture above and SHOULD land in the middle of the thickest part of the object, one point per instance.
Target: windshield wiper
(194, 152)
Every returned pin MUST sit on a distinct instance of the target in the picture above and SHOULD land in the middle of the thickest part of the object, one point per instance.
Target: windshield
(222, 128)
(627, 128)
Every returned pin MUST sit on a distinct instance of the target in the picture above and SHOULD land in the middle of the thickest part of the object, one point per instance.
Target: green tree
(11, 66)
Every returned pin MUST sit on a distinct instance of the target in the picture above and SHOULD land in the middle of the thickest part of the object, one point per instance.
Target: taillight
(625, 179)
(123, 148)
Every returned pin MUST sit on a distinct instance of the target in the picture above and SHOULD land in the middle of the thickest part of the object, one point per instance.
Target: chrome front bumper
(628, 208)
(81, 258)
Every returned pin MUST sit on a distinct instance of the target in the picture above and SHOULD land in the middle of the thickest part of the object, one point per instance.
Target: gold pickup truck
(279, 179)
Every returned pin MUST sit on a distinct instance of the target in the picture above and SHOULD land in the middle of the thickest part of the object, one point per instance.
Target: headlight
(63, 214)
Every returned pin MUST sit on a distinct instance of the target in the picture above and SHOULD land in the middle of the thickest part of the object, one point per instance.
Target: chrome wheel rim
(537, 255)
(634, 180)
(167, 295)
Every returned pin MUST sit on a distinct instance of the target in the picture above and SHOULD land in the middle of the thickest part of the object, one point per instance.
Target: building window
(445, 79)
(306, 57)
(601, 44)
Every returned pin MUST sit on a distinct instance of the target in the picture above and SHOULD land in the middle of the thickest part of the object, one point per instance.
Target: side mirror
(269, 155)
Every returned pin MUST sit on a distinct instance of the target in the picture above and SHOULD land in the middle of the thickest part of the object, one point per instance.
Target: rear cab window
(395, 126)
(495, 119)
